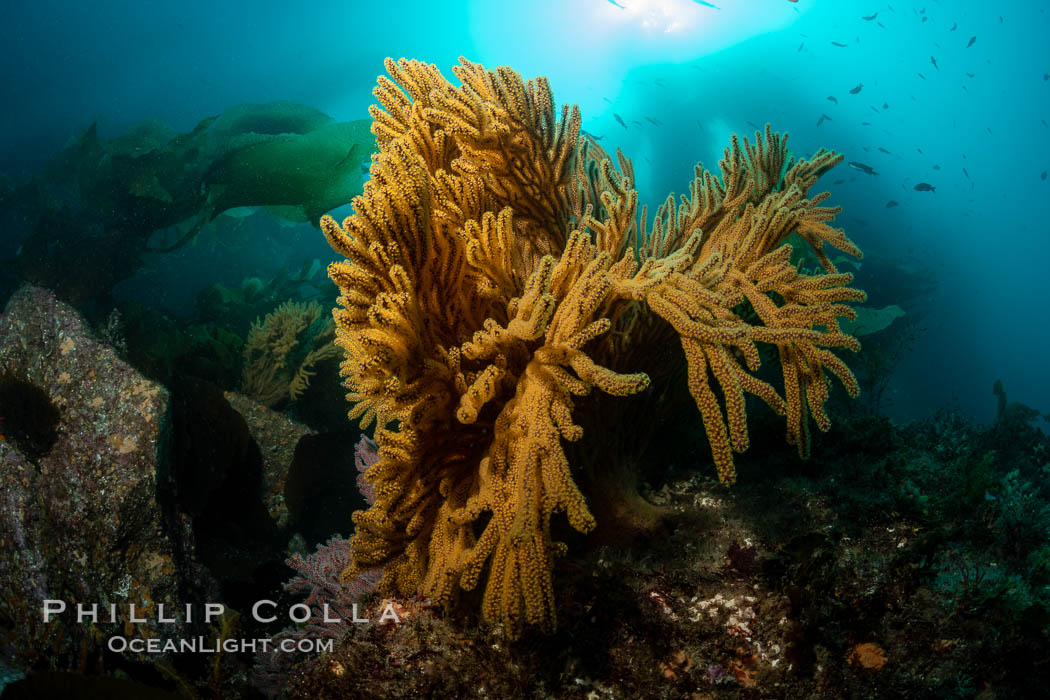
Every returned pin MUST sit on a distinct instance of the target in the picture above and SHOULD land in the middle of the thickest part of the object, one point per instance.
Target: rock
(277, 436)
(80, 519)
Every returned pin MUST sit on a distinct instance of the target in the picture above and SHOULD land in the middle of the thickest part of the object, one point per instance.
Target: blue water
(982, 239)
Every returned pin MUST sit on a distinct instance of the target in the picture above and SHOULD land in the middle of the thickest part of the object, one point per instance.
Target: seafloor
(898, 561)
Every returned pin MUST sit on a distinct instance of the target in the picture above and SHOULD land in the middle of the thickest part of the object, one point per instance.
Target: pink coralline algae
(328, 597)
(366, 453)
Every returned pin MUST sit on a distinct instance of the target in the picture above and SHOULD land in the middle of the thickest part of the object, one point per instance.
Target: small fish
(831, 98)
(919, 150)
(881, 24)
(1046, 76)
(988, 129)
(885, 105)
(934, 62)
(955, 25)
(659, 82)
(593, 136)
(969, 75)
(840, 45)
(800, 47)
(1042, 176)
(865, 123)
(883, 150)
(757, 127)
(652, 121)
(925, 187)
(636, 122)
(619, 120)
(925, 18)
(861, 167)
(823, 117)
(838, 182)
(857, 89)
(890, 204)
(936, 167)
(966, 173)
(873, 109)
(870, 17)
(922, 76)
(972, 39)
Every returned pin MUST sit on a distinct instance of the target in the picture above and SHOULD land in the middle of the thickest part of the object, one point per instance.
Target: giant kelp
(122, 191)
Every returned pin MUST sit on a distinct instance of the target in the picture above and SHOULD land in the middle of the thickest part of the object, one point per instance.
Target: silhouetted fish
(1046, 76)
(925, 187)
(890, 204)
(831, 98)
(841, 46)
(870, 17)
(822, 118)
(593, 136)
(883, 150)
(922, 76)
(619, 119)
(757, 127)
(966, 173)
(838, 182)
(936, 167)
(969, 75)
(652, 121)
(972, 39)
(800, 47)
(857, 89)
(955, 25)
(919, 150)
(865, 123)
(1043, 175)
(934, 62)
(861, 167)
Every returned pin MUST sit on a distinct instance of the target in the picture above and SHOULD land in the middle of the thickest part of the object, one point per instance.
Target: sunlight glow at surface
(664, 16)
(587, 47)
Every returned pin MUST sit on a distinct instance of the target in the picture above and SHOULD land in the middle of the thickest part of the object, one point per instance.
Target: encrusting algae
(497, 271)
